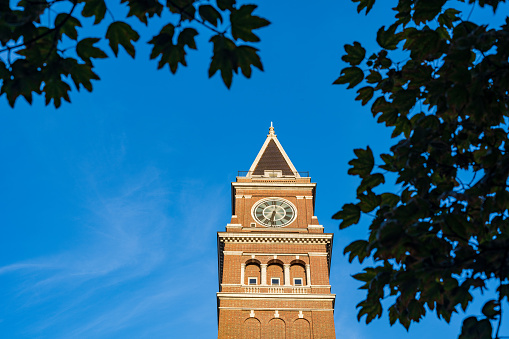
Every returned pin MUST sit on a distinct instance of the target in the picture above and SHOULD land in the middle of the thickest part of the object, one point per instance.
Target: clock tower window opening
(274, 281)
(298, 271)
(275, 270)
(252, 271)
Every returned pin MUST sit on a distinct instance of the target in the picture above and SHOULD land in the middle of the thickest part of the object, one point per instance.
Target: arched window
(275, 273)
(298, 274)
(252, 273)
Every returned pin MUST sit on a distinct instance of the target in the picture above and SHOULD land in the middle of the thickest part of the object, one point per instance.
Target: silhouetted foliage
(42, 49)
(445, 234)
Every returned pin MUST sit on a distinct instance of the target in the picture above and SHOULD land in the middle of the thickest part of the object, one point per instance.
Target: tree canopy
(43, 51)
(445, 233)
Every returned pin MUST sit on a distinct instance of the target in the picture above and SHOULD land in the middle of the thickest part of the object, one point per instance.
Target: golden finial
(271, 130)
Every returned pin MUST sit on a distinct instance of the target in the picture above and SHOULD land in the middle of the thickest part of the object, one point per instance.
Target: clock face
(274, 212)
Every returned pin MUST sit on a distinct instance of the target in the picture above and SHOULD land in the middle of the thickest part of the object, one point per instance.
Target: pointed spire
(272, 157)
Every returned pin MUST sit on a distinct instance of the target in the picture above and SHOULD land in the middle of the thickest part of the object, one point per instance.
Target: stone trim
(317, 254)
(274, 308)
(279, 254)
(232, 252)
(271, 296)
(287, 184)
(302, 238)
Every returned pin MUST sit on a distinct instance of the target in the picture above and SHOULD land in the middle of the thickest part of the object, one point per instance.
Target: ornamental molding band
(274, 258)
(271, 238)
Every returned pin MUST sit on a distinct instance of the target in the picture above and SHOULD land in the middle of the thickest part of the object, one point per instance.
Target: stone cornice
(310, 296)
(293, 238)
(277, 183)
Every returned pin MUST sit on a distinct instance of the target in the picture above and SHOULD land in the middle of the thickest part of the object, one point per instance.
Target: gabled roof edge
(272, 136)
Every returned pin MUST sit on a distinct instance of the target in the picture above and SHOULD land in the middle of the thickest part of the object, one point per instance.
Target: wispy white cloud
(133, 261)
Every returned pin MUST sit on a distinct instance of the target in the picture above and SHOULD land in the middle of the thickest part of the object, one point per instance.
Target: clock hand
(272, 217)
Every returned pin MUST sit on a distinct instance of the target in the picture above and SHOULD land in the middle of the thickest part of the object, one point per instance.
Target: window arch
(251, 329)
(298, 273)
(275, 273)
(276, 329)
(252, 271)
(301, 329)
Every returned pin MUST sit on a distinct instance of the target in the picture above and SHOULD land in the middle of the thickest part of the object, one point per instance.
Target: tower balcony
(278, 289)
(278, 176)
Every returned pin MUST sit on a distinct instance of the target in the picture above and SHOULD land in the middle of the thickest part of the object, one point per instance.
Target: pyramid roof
(272, 157)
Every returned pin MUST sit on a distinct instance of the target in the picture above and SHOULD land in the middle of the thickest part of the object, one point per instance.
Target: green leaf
(369, 202)
(374, 77)
(365, 94)
(370, 182)
(388, 39)
(359, 249)
(81, 74)
(55, 89)
(183, 7)
(389, 199)
(350, 214)
(210, 14)
(67, 24)
(120, 33)
(363, 164)
(350, 75)
(427, 10)
(95, 8)
(243, 23)
(4, 72)
(224, 58)
(448, 17)
(143, 9)
(504, 291)
(355, 54)
(86, 50)
(368, 4)
(225, 4)
(247, 56)
(476, 329)
(186, 37)
(172, 54)
(23, 79)
(491, 309)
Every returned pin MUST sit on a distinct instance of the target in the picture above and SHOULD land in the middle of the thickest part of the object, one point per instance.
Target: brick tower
(274, 258)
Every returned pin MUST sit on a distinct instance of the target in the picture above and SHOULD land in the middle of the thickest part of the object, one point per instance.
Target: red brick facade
(274, 281)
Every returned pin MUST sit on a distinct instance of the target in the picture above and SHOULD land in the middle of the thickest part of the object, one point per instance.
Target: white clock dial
(274, 212)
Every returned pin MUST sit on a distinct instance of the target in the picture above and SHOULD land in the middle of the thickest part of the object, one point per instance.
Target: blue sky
(110, 205)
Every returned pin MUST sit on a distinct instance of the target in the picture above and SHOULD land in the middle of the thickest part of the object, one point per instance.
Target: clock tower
(274, 258)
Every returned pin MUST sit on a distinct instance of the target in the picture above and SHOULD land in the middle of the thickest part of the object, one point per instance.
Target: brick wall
(291, 311)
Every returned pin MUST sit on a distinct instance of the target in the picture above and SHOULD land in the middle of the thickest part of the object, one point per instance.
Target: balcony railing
(304, 174)
(278, 289)
(252, 289)
(300, 290)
